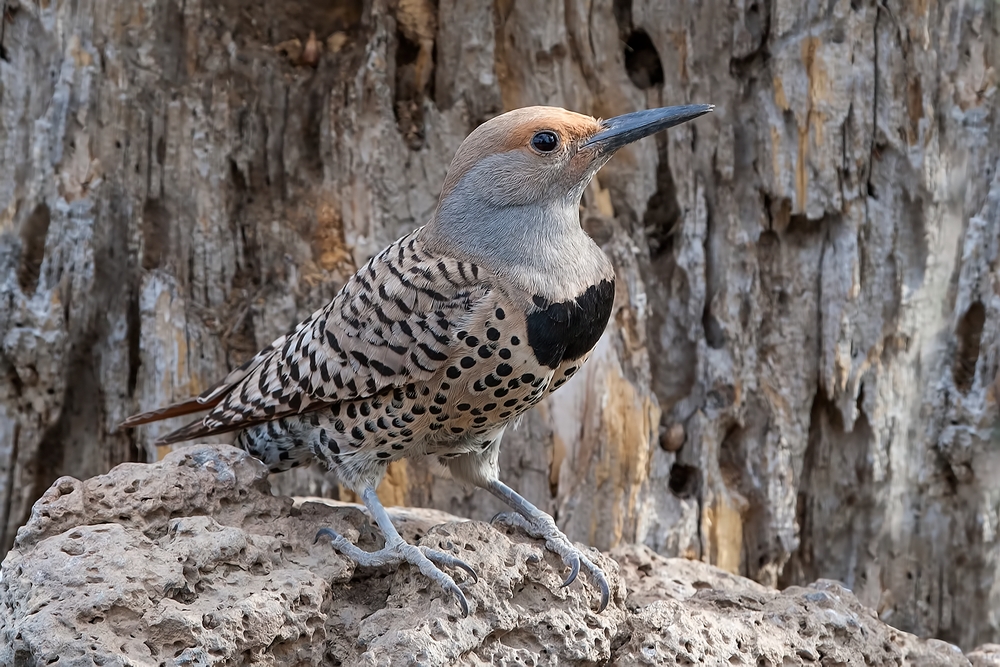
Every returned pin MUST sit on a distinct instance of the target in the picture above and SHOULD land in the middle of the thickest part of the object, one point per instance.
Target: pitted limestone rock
(191, 560)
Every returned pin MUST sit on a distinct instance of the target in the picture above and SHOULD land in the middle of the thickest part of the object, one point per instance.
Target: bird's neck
(541, 249)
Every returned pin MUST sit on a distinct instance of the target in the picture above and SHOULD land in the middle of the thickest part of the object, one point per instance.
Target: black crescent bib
(568, 330)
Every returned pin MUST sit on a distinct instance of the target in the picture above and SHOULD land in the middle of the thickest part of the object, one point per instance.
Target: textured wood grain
(801, 377)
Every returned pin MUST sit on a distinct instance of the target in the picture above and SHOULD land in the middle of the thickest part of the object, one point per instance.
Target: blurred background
(800, 379)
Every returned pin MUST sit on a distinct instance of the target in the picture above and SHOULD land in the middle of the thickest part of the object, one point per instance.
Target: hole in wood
(685, 480)
(969, 333)
(155, 234)
(714, 335)
(663, 213)
(642, 62)
(415, 53)
(34, 229)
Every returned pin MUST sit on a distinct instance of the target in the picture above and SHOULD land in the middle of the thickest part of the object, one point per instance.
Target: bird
(445, 338)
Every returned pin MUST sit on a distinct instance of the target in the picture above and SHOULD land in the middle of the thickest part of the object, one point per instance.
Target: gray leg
(539, 524)
(397, 551)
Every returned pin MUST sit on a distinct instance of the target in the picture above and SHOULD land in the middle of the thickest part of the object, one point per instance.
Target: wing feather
(393, 323)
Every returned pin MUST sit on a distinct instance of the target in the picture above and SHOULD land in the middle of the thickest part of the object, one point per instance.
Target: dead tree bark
(801, 376)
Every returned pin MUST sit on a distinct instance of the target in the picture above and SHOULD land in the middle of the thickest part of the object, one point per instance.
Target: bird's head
(512, 194)
(538, 155)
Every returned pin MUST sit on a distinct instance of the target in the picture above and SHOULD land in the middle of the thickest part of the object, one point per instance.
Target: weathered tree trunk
(801, 376)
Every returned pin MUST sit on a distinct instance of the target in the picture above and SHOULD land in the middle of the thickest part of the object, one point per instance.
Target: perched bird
(448, 335)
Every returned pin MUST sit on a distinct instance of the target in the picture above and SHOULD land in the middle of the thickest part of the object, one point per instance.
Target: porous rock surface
(193, 561)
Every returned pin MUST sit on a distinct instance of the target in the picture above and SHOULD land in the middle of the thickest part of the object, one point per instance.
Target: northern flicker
(448, 335)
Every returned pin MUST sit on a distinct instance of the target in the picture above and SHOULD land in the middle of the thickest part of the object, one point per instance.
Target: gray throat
(542, 249)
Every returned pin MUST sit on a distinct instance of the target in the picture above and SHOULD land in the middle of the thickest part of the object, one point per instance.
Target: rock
(192, 560)
(689, 612)
(987, 655)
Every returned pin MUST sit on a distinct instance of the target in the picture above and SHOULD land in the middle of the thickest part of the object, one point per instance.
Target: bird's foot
(542, 526)
(425, 559)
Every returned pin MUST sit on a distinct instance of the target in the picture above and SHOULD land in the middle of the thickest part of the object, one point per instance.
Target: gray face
(521, 178)
(523, 158)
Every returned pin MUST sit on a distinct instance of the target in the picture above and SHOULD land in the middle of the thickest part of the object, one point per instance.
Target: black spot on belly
(324, 439)
(568, 330)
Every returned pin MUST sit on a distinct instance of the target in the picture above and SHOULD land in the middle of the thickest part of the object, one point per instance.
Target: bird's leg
(397, 551)
(539, 524)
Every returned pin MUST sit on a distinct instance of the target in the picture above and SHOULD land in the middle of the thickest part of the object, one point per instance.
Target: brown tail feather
(175, 410)
(196, 429)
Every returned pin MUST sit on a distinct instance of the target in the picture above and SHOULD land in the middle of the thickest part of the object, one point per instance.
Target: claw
(605, 593)
(326, 532)
(503, 517)
(442, 558)
(574, 563)
(460, 596)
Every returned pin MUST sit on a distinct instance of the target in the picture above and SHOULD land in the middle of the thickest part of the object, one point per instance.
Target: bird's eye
(545, 142)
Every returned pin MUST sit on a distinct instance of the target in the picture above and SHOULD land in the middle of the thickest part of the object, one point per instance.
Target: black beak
(623, 130)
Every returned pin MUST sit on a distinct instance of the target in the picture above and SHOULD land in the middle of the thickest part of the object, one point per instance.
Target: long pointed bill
(623, 130)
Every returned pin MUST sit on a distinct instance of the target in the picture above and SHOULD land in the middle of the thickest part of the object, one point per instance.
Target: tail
(197, 429)
(196, 404)
(207, 400)
(193, 430)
